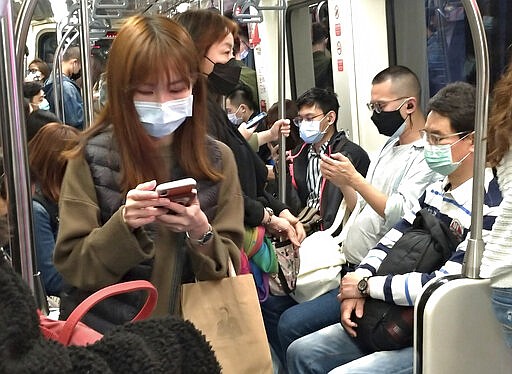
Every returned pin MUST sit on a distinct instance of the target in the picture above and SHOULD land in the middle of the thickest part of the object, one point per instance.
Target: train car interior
(442, 41)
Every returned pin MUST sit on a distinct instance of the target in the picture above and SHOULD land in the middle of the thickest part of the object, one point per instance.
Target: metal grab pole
(282, 104)
(86, 64)
(475, 248)
(14, 151)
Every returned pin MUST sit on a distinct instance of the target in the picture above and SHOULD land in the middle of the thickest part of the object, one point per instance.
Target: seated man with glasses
(395, 180)
(449, 132)
(318, 111)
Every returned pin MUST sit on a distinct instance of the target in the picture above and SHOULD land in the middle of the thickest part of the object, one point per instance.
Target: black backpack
(424, 248)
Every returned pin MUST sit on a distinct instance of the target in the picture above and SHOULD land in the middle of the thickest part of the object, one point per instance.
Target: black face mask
(75, 76)
(387, 122)
(224, 77)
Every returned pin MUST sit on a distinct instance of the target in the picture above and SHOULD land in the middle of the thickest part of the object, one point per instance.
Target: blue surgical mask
(310, 131)
(244, 54)
(44, 105)
(234, 119)
(439, 157)
(161, 119)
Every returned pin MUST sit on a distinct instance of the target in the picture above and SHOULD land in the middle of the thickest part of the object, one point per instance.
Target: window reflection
(450, 47)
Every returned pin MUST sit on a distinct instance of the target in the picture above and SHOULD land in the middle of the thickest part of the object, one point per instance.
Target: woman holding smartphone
(213, 35)
(113, 224)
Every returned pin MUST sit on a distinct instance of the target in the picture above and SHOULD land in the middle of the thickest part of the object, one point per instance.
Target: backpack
(424, 248)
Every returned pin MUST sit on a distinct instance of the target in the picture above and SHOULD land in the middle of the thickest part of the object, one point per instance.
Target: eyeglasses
(379, 105)
(297, 121)
(435, 139)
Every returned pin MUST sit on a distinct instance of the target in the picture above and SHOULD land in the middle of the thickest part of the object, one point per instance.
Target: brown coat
(91, 256)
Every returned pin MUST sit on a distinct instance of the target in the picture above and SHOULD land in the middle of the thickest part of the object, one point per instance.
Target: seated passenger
(449, 133)
(497, 257)
(47, 166)
(318, 112)
(382, 197)
(113, 224)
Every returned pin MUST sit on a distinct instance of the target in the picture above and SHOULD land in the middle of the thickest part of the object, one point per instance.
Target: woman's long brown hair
(46, 159)
(499, 131)
(152, 48)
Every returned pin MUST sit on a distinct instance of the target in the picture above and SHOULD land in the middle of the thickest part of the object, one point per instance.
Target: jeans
(333, 350)
(286, 321)
(502, 304)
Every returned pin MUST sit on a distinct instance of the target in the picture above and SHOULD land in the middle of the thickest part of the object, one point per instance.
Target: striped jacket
(453, 207)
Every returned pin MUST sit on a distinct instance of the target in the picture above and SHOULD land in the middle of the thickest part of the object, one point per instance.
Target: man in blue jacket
(73, 114)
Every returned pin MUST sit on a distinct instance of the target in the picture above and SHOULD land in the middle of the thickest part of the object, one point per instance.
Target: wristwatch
(362, 286)
(203, 239)
(270, 214)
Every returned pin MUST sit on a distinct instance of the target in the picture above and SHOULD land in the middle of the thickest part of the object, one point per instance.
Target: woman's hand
(180, 218)
(282, 228)
(281, 126)
(143, 205)
(294, 221)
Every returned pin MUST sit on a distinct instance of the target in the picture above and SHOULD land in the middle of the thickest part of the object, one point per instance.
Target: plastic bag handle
(106, 292)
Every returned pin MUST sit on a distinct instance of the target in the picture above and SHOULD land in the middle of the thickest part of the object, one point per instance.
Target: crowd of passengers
(176, 105)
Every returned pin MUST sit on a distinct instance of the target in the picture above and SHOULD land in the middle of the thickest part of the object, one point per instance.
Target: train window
(450, 51)
(46, 46)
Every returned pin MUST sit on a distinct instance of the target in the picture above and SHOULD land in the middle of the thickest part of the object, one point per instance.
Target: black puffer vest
(101, 153)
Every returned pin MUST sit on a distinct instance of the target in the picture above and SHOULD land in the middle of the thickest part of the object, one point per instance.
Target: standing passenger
(113, 224)
(213, 35)
(71, 95)
(497, 259)
(47, 167)
(38, 71)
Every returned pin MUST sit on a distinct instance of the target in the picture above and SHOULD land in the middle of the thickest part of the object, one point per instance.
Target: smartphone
(181, 191)
(254, 121)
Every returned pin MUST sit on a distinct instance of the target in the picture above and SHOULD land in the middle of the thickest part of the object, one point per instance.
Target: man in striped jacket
(449, 136)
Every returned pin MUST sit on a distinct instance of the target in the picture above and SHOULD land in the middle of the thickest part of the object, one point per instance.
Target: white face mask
(44, 105)
(233, 118)
(33, 76)
(161, 119)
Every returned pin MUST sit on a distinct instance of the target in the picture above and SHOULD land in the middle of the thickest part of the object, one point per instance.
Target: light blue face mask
(309, 131)
(161, 119)
(439, 157)
(234, 119)
(44, 105)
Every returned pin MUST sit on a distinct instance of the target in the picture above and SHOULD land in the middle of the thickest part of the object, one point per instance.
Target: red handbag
(74, 332)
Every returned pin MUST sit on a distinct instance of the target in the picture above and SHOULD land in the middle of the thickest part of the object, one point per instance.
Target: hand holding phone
(181, 191)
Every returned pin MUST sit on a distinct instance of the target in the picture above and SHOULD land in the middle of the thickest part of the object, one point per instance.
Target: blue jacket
(73, 104)
(45, 237)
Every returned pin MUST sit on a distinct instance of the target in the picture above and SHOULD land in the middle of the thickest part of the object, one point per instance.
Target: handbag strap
(338, 220)
(231, 267)
(106, 292)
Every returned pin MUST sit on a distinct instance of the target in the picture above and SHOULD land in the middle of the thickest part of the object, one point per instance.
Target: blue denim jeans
(502, 304)
(333, 350)
(286, 321)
